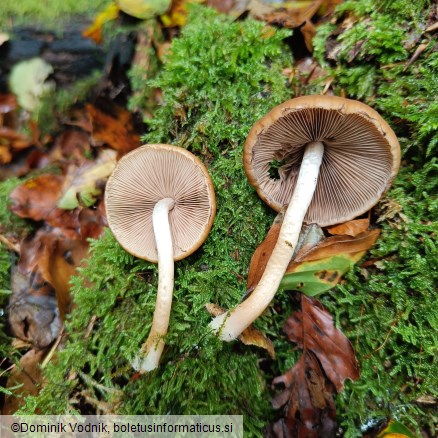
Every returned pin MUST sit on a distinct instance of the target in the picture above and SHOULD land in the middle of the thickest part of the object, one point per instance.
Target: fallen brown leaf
(40, 284)
(27, 378)
(72, 145)
(328, 360)
(263, 253)
(113, 128)
(37, 198)
(335, 245)
(308, 399)
(313, 329)
(350, 228)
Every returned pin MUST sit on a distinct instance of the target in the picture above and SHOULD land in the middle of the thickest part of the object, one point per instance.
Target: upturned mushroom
(160, 205)
(336, 158)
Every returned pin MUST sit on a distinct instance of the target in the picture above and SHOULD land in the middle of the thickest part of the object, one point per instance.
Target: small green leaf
(315, 277)
(395, 430)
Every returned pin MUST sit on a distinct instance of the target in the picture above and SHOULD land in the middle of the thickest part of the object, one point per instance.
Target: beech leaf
(394, 429)
(36, 198)
(114, 128)
(327, 361)
(313, 329)
(351, 228)
(26, 379)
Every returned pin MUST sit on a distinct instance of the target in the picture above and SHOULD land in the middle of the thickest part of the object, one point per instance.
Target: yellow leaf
(94, 32)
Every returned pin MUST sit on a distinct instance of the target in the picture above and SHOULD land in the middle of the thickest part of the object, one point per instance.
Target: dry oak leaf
(28, 376)
(308, 396)
(317, 267)
(350, 228)
(114, 129)
(328, 360)
(313, 329)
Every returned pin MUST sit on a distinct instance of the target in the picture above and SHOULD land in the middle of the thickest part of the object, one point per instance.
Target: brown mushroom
(337, 157)
(160, 205)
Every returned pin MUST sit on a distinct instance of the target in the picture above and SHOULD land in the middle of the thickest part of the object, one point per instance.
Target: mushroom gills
(230, 325)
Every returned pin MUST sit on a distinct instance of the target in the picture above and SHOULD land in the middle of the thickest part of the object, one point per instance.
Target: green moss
(5, 292)
(390, 315)
(9, 222)
(51, 13)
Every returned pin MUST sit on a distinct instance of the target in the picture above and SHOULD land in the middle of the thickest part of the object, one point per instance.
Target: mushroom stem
(230, 325)
(151, 350)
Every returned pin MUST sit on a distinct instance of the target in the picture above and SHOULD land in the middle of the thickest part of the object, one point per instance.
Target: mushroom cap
(361, 156)
(145, 176)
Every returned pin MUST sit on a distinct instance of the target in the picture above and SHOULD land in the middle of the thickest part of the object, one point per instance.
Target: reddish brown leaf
(72, 146)
(8, 103)
(308, 398)
(40, 284)
(28, 376)
(313, 329)
(36, 198)
(328, 359)
(350, 228)
(262, 254)
(14, 138)
(336, 245)
(113, 128)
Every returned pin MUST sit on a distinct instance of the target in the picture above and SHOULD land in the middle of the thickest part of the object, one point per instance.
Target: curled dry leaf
(33, 311)
(328, 360)
(350, 228)
(250, 336)
(27, 378)
(308, 397)
(36, 198)
(40, 282)
(83, 184)
(114, 128)
(319, 264)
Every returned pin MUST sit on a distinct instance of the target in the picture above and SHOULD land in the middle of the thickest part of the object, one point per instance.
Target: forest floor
(75, 307)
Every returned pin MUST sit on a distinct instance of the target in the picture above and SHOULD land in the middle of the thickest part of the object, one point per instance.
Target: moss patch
(52, 13)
